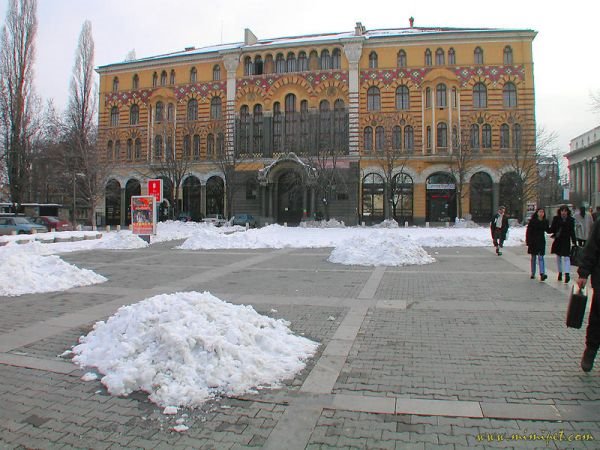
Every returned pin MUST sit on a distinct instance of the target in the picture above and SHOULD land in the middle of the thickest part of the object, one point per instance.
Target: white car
(216, 219)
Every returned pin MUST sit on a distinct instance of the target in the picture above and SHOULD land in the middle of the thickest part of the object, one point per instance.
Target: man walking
(499, 228)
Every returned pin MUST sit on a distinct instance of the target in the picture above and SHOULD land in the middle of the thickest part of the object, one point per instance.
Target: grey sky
(566, 66)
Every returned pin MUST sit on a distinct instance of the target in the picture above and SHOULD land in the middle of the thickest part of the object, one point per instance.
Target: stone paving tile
(25, 310)
(284, 283)
(348, 429)
(54, 346)
(454, 355)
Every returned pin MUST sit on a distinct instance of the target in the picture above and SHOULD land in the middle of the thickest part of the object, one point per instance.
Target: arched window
(509, 95)
(397, 138)
(339, 124)
(158, 147)
(379, 139)
(324, 125)
(154, 79)
(401, 58)
(220, 145)
(172, 77)
(258, 65)
(196, 147)
(291, 62)
(486, 136)
(336, 59)
(508, 56)
(454, 97)
(134, 114)
(479, 95)
(373, 99)
(368, 139)
(439, 57)
(135, 82)
(409, 138)
(216, 72)
(451, 56)
(427, 57)
(115, 86)
(210, 146)
(114, 116)
(373, 192)
(163, 78)
(109, 150)
(373, 64)
(428, 97)
(325, 60)
(193, 75)
(455, 137)
(313, 61)
(478, 56)
(170, 112)
(187, 147)
(442, 135)
(248, 66)
(117, 149)
(402, 97)
(475, 136)
(516, 136)
(244, 134)
(257, 129)
(138, 148)
(428, 137)
(215, 108)
(302, 62)
(192, 109)
(277, 127)
(279, 63)
(159, 114)
(504, 136)
(268, 66)
(441, 98)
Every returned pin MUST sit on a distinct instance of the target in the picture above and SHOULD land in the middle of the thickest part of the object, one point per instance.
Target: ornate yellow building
(418, 124)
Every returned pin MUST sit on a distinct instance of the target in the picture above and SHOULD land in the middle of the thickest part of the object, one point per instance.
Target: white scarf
(499, 220)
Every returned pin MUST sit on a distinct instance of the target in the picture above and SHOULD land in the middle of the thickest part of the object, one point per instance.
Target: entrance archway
(289, 198)
(441, 198)
(372, 198)
(511, 195)
(481, 198)
(131, 188)
(191, 198)
(402, 201)
(112, 202)
(215, 196)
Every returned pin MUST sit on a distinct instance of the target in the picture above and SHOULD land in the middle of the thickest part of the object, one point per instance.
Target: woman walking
(535, 238)
(563, 229)
(583, 225)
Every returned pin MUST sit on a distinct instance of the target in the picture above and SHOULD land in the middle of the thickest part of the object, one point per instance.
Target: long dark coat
(535, 236)
(564, 234)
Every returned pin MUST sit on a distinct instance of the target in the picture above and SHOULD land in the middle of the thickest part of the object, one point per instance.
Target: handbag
(576, 308)
(576, 254)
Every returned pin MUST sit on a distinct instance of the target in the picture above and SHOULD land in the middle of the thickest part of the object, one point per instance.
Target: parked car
(243, 219)
(20, 225)
(53, 223)
(216, 219)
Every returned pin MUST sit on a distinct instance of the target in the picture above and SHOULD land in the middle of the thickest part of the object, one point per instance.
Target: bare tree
(228, 162)
(595, 101)
(17, 99)
(463, 161)
(87, 170)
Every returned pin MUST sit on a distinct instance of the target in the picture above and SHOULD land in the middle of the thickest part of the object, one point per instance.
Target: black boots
(543, 277)
(587, 360)
(567, 277)
(559, 276)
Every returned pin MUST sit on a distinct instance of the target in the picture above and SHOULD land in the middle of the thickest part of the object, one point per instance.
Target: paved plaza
(467, 352)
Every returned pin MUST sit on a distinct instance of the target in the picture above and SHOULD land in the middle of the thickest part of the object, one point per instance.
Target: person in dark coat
(499, 228)
(590, 265)
(535, 238)
(563, 230)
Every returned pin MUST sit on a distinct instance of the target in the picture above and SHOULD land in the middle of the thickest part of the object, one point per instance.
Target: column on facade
(353, 51)
(496, 196)
(123, 207)
(203, 199)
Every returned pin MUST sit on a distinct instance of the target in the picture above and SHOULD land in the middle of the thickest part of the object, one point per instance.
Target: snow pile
(380, 251)
(23, 270)
(186, 348)
(331, 223)
(388, 223)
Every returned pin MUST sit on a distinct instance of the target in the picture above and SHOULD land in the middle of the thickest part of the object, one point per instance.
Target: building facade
(584, 161)
(416, 124)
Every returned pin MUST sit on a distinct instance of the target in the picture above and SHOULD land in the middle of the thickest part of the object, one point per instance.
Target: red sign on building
(155, 188)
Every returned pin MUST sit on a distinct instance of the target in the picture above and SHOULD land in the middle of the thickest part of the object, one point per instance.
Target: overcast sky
(566, 68)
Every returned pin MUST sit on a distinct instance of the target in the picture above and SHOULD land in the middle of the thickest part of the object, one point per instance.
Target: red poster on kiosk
(155, 188)
(143, 217)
